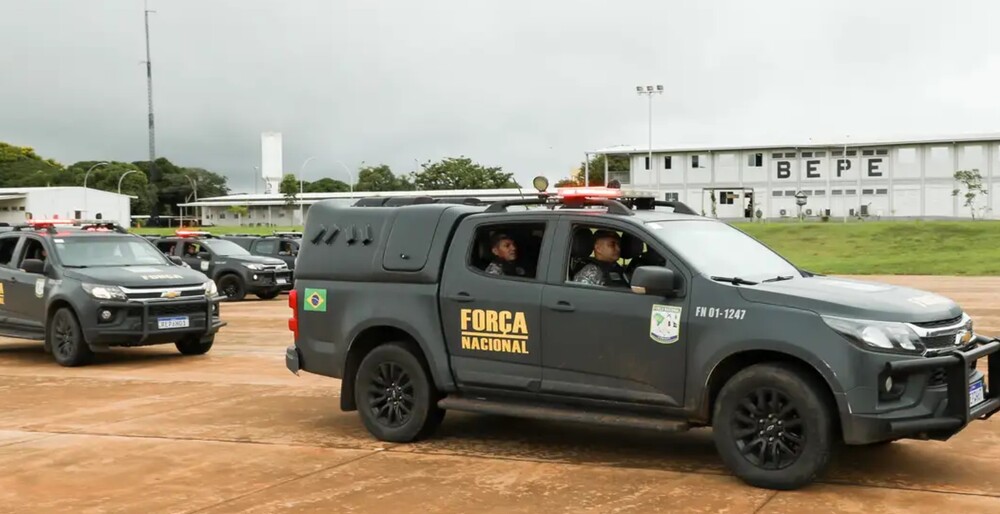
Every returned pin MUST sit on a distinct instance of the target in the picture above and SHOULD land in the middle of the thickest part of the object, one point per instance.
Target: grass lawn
(862, 248)
(886, 247)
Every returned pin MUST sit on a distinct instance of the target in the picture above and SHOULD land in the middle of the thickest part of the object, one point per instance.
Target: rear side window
(507, 249)
(267, 246)
(7, 246)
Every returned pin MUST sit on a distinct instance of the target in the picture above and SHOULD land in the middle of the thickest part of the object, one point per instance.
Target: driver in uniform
(603, 269)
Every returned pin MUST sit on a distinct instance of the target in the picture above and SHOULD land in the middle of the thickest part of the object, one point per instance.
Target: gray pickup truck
(595, 306)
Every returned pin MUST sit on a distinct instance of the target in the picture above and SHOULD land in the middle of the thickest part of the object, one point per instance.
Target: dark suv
(84, 287)
(235, 270)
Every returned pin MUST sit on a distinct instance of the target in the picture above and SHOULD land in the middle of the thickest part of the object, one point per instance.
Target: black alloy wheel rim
(390, 395)
(230, 290)
(64, 337)
(768, 430)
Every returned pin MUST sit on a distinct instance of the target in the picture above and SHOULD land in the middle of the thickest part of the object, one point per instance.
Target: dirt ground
(148, 430)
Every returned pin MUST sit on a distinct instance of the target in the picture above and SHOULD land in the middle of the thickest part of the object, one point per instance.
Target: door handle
(462, 297)
(563, 306)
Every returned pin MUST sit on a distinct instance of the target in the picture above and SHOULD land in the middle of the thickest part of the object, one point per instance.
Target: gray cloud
(526, 86)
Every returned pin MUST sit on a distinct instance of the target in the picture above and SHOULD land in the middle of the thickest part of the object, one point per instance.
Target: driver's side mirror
(176, 260)
(204, 256)
(654, 280)
(36, 266)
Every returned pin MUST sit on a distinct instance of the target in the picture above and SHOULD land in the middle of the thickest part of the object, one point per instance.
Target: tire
(65, 339)
(269, 294)
(800, 431)
(392, 373)
(194, 346)
(231, 286)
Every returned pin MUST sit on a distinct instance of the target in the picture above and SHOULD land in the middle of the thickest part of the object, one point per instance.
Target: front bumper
(138, 322)
(268, 280)
(933, 412)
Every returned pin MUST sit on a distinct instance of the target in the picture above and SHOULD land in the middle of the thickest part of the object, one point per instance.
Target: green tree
(616, 163)
(20, 166)
(973, 182)
(381, 178)
(178, 184)
(289, 187)
(462, 173)
(105, 178)
(327, 185)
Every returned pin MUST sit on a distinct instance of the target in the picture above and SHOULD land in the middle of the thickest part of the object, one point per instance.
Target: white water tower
(271, 167)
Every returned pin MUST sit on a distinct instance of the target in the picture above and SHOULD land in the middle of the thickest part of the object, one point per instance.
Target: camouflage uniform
(504, 268)
(599, 274)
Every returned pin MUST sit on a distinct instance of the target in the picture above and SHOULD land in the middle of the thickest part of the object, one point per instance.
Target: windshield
(94, 251)
(717, 249)
(223, 247)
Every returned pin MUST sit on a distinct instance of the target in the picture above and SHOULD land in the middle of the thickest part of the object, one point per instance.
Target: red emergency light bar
(588, 192)
(48, 223)
(191, 233)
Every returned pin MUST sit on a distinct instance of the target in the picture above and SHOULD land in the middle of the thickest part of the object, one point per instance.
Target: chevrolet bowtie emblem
(170, 294)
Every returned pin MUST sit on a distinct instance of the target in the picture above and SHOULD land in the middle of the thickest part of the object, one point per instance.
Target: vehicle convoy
(280, 245)
(594, 305)
(84, 287)
(232, 267)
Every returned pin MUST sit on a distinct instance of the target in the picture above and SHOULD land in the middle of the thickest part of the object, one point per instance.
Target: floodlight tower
(650, 91)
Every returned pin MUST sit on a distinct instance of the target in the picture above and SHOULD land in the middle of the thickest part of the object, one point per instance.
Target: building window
(789, 193)
(840, 153)
(851, 192)
(836, 192)
(667, 162)
(776, 156)
(868, 152)
(755, 160)
(820, 192)
(819, 154)
(882, 152)
(673, 197)
(775, 193)
(222, 216)
(867, 191)
(694, 161)
(646, 160)
(807, 154)
(881, 191)
(790, 155)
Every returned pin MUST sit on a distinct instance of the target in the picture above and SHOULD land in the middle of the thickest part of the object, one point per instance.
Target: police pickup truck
(232, 267)
(280, 245)
(590, 305)
(83, 287)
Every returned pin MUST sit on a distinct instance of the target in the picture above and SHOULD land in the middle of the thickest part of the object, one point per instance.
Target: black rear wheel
(772, 427)
(396, 399)
(66, 340)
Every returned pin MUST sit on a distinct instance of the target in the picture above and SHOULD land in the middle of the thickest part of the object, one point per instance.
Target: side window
(604, 256)
(507, 249)
(167, 247)
(7, 246)
(267, 246)
(33, 249)
(192, 249)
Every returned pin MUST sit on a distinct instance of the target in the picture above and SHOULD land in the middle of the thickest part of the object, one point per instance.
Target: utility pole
(650, 91)
(154, 174)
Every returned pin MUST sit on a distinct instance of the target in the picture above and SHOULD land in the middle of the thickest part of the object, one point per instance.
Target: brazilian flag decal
(315, 300)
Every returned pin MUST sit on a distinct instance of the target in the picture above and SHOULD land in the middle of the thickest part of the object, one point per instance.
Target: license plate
(977, 393)
(177, 322)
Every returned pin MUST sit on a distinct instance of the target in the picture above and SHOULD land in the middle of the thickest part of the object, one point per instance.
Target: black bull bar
(956, 364)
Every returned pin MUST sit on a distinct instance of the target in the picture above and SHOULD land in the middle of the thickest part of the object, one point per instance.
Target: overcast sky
(526, 85)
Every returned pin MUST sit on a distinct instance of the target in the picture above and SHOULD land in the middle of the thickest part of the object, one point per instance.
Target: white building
(18, 204)
(887, 178)
(265, 210)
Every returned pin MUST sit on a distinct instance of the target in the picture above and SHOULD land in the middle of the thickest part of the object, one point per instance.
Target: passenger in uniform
(504, 256)
(603, 269)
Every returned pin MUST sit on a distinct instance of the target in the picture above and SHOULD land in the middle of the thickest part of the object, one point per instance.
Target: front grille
(940, 323)
(938, 377)
(168, 309)
(937, 342)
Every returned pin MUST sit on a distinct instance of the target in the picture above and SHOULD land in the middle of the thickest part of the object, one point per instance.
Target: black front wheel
(772, 427)
(231, 286)
(66, 341)
(395, 396)
(194, 346)
(270, 294)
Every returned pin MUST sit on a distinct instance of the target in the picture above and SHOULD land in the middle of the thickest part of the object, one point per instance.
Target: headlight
(879, 335)
(104, 292)
(210, 288)
(255, 267)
